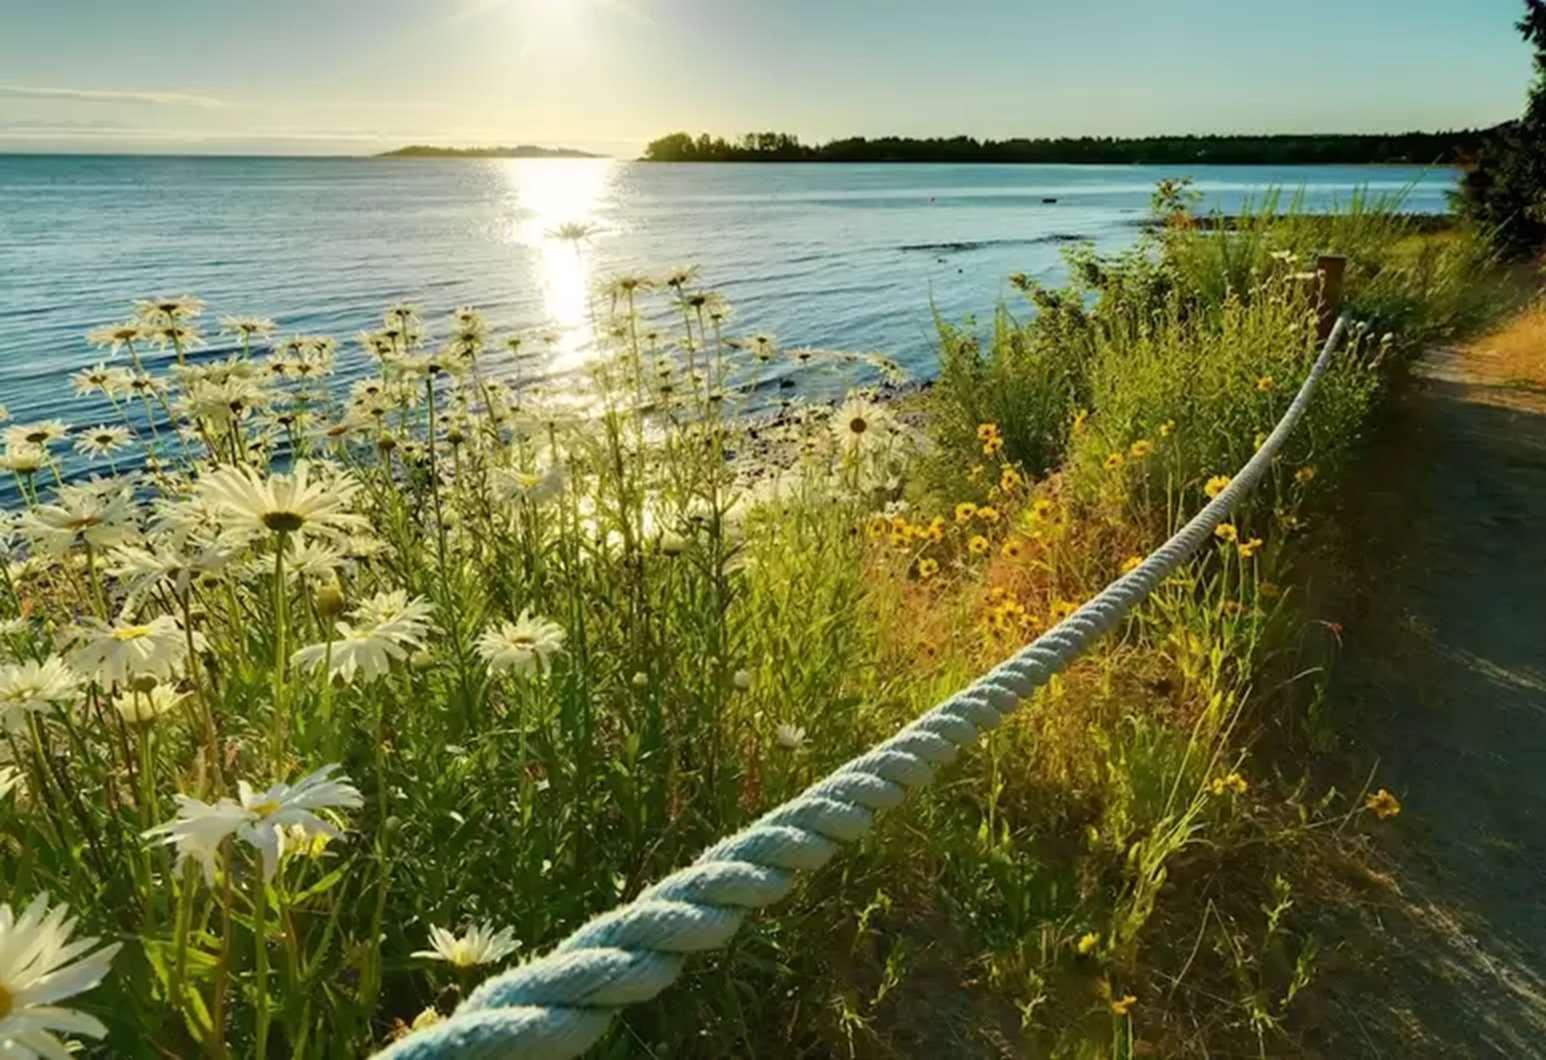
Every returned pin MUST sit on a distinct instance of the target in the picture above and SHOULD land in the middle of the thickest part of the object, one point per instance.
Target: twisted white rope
(557, 1006)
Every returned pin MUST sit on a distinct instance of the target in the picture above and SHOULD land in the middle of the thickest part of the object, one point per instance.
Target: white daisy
(222, 401)
(288, 805)
(100, 379)
(39, 967)
(41, 434)
(311, 499)
(140, 570)
(386, 628)
(248, 328)
(30, 687)
(98, 515)
(523, 646)
(860, 425)
(161, 308)
(199, 828)
(513, 484)
(480, 944)
(116, 336)
(23, 459)
(145, 708)
(103, 440)
(266, 820)
(115, 653)
(790, 737)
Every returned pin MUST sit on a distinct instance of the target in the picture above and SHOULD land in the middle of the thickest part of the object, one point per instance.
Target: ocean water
(848, 257)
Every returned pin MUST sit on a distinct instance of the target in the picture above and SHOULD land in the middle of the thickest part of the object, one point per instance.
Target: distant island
(1413, 148)
(523, 151)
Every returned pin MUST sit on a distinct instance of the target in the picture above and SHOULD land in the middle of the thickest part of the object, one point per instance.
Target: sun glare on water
(556, 204)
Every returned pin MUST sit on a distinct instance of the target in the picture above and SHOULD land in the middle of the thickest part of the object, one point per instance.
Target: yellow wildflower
(1041, 507)
(1166, 427)
(1063, 608)
(988, 514)
(1226, 532)
(1131, 563)
(978, 545)
(965, 511)
(1383, 804)
(993, 446)
(1265, 384)
(1304, 475)
(1140, 449)
(1087, 942)
(1216, 485)
(1010, 480)
(1250, 548)
(986, 431)
(1079, 417)
(876, 528)
(936, 529)
(1123, 1005)
(927, 568)
(1233, 784)
(1014, 548)
(975, 473)
(1113, 461)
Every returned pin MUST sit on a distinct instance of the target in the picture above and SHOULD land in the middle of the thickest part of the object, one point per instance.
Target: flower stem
(281, 720)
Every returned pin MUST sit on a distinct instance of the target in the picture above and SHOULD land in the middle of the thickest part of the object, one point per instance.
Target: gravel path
(1444, 677)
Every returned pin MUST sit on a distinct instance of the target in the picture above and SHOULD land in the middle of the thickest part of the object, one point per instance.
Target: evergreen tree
(1505, 188)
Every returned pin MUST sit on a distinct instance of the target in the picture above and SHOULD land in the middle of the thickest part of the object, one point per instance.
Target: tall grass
(554, 643)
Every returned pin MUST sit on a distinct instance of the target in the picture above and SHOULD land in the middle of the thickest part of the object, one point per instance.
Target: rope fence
(556, 1006)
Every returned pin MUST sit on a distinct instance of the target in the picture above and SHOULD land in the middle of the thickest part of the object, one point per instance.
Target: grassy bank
(530, 651)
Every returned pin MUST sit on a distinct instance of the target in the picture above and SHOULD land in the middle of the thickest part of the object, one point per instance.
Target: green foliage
(733, 627)
(1504, 188)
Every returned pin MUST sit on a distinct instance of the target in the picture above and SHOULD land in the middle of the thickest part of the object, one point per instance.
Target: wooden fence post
(1331, 269)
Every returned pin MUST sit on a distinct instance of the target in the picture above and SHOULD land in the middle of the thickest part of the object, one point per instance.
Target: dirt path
(1444, 677)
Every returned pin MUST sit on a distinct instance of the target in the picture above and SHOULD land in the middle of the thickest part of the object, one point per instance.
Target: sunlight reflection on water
(546, 195)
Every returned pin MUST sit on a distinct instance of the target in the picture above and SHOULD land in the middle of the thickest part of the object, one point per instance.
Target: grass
(597, 629)
(1516, 351)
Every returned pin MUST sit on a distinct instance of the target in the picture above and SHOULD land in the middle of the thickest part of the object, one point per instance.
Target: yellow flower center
(128, 633)
(283, 522)
(264, 809)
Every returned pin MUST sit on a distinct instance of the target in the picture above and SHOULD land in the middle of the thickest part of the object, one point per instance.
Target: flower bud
(329, 599)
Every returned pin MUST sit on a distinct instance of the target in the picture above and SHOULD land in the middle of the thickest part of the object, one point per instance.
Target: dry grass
(1516, 352)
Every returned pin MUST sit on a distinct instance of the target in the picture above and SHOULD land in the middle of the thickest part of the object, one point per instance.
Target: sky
(354, 77)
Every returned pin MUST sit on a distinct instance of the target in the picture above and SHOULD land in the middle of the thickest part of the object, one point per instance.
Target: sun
(550, 16)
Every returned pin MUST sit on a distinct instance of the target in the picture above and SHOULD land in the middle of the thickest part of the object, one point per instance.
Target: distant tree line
(1413, 147)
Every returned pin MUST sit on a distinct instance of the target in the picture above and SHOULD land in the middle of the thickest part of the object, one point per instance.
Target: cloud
(86, 95)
